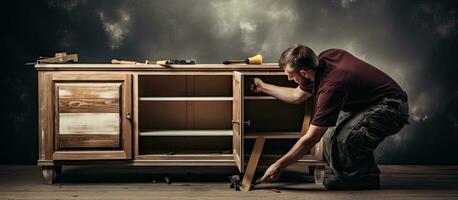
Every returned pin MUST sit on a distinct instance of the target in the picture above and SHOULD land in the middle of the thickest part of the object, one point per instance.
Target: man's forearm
(284, 94)
(302, 146)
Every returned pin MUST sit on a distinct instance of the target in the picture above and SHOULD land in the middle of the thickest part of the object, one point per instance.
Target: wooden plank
(89, 90)
(187, 133)
(126, 115)
(79, 105)
(267, 160)
(184, 163)
(259, 98)
(89, 155)
(211, 115)
(89, 123)
(213, 85)
(186, 98)
(83, 76)
(272, 116)
(46, 122)
(179, 115)
(85, 140)
(186, 157)
(135, 121)
(237, 120)
(216, 67)
(127, 182)
(273, 135)
(102, 90)
(190, 106)
(252, 164)
(309, 107)
(185, 85)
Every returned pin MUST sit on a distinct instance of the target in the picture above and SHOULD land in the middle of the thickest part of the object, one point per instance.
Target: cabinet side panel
(46, 129)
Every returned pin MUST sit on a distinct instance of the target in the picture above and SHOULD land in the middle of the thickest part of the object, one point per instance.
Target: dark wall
(413, 41)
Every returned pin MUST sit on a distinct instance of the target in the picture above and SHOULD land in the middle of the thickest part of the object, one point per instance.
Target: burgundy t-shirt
(344, 82)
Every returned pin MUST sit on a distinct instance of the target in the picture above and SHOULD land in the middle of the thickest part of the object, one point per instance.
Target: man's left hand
(272, 173)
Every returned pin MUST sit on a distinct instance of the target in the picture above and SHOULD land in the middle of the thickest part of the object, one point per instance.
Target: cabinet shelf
(186, 98)
(186, 133)
(273, 135)
(260, 98)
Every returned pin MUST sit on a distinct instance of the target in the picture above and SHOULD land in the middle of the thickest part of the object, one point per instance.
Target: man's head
(299, 63)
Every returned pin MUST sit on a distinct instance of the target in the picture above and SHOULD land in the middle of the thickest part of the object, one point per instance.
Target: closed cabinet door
(92, 116)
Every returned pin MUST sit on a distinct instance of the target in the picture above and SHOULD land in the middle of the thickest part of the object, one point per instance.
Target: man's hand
(272, 174)
(256, 85)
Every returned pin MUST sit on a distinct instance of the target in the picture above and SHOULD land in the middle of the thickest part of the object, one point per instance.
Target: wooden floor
(110, 182)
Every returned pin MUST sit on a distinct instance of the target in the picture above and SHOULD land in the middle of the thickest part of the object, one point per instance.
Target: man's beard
(305, 81)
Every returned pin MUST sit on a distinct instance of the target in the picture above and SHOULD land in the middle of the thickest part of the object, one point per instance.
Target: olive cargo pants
(349, 146)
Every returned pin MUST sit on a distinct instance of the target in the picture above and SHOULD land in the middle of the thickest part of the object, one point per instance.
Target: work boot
(360, 183)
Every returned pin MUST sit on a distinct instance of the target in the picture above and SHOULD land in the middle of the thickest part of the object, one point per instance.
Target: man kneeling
(357, 106)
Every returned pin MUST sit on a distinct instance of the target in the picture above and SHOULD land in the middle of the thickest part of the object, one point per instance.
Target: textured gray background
(412, 41)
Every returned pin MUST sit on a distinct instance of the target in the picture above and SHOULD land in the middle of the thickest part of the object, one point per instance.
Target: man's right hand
(256, 85)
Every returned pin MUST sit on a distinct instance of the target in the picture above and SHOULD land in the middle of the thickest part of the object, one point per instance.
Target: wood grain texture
(181, 115)
(89, 123)
(77, 105)
(135, 183)
(186, 133)
(88, 141)
(89, 90)
(109, 90)
(90, 155)
(84, 76)
(189, 85)
(135, 121)
(126, 123)
(189, 157)
(46, 116)
(152, 67)
(252, 164)
(89, 111)
(273, 135)
(309, 105)
(237, 120)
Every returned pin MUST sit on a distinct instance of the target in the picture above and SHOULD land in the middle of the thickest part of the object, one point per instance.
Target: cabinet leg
(252, 164)
(50, 174)
(318, 173)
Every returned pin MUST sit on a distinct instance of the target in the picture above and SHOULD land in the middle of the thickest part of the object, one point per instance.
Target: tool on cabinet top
(62, 57)
(159, 62)
(257, 59)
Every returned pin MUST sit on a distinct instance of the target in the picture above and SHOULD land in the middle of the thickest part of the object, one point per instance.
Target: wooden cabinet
(149, 115)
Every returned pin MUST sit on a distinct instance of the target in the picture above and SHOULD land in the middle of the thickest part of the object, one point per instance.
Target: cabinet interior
(267, 114)
(185, 114)
(192, 114)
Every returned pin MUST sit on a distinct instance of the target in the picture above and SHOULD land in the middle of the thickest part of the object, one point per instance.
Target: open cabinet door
(237, 120)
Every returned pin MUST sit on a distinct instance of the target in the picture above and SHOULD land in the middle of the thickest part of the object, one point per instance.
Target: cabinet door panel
(89, 123)
(89, 115)
(237, 120)
(89, 90)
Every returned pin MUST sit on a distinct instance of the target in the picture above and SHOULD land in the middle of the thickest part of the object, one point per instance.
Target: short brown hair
(298, 57)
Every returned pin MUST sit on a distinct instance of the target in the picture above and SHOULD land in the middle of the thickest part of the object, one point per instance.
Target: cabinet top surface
(154, 67)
